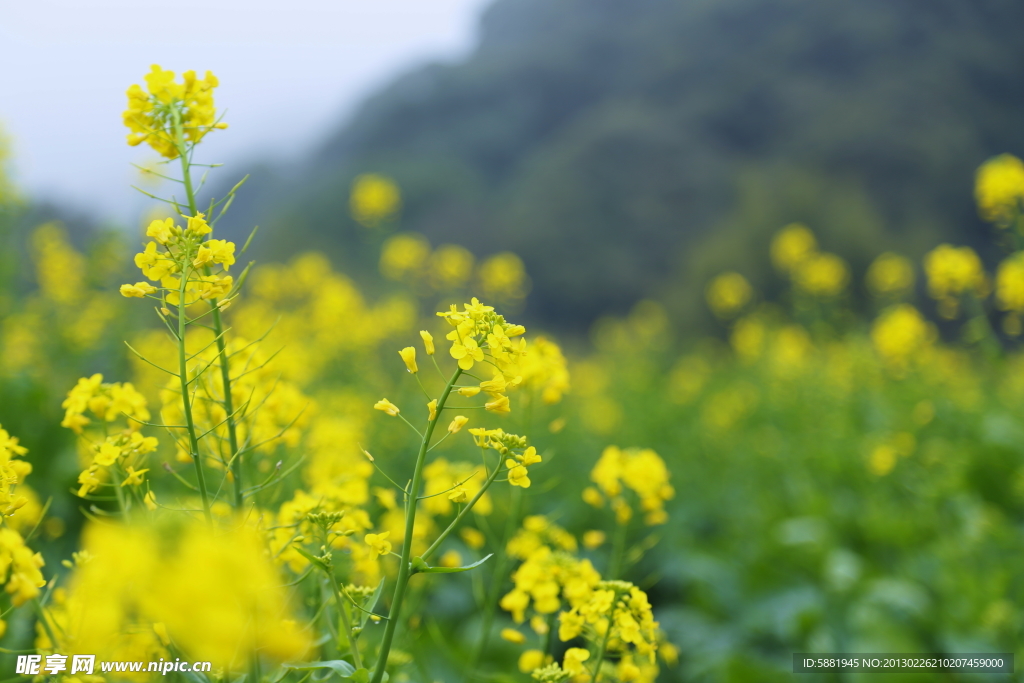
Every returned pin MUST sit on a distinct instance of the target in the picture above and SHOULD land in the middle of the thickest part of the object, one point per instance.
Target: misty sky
(289, 71)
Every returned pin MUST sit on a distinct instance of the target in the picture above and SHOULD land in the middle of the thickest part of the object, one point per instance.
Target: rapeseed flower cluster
(19, 566)
(374, 199)
(954, 272)
(727, 294)
(189, 266)
(999, 189)
(639, 470)
(167, 112)
(408, 258)
(794, 251)
(890, 276)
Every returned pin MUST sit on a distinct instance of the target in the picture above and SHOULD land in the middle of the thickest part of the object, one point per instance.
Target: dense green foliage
(606, 142)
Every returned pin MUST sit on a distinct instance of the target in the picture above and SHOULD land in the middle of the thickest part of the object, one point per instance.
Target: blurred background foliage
(633, 150)
(845, 479)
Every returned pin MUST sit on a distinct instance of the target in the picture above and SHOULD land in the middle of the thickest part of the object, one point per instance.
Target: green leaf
(449, 570)
(370, 603)
(312, 558)
(342, 668)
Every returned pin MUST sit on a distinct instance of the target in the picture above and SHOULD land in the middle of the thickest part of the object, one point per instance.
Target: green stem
(404, 569)
(187, 405)
(604, 641)
(218, 329)
(462, 513)
(182, 360)
(346, 622)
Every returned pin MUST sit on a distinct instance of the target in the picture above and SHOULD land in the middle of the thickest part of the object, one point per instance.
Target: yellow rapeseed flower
(999, 189)
(1010, 283)
(152, 112)
(901, 333)
(374, 199)
(428, 342)
(727, 294)
(386, 406)
(821, 274)
(513, 636)
(408, 355)
(457, 423)
(791, 246)
(378, 543)
(890, 275)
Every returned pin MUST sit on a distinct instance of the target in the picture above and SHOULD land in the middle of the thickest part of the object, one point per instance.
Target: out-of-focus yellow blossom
(19, 567)
(503, 277)
(953, 272)
(882, 459)
(442, 476)
(269, 412)
(408, 355)
(457, 423)
(386, 406)
(142, 575)
(640, 470)
(301, 303)
(513, 636)
(152, 116)
(404, 256)
(900, 333)
(791, 246)
(538, 531)
(544, 369)
(452, 558)
(727, 294)
(374, 199)
(530, 660)
(1010, 283)
(60, 269)
(378, 542)
(890, 275)
(547, 579)
(999, 189)
(821, 274)
(593, 497)
(472, 537)
(450, 267)
(594, 538)
(748, 338)
(428, 342)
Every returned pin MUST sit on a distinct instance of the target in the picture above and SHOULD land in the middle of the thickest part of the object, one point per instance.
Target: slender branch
(405, 567)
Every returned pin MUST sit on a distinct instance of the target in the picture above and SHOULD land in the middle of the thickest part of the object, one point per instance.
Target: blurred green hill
(633, 149)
